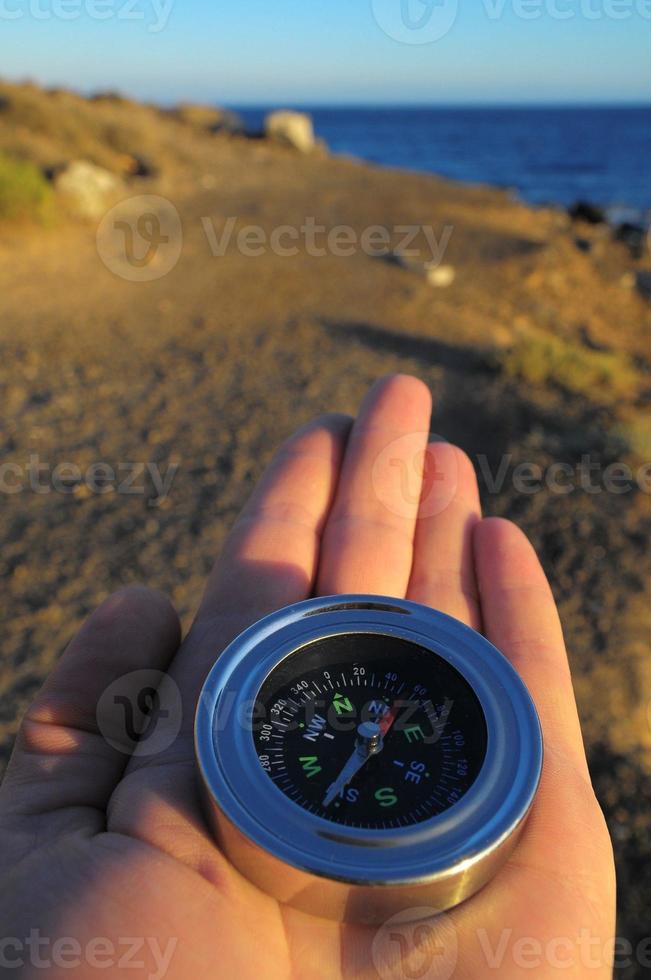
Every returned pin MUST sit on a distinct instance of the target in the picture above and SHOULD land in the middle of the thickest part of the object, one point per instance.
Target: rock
(592, 214)
(583, 245)
(589, 341)
(110, 95)
(436, 275)
(200, 116)
(89, 189)
(627, 281)
(229, 122)
(501, 337)
(294, 129)
(632, 235)
(207, 117)
(142, 167)
(643, 283)
(441, 276)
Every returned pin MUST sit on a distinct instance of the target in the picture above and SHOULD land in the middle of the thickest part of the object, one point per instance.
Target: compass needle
(368, 743)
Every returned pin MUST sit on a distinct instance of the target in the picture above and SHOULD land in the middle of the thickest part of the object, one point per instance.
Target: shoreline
(431, 144)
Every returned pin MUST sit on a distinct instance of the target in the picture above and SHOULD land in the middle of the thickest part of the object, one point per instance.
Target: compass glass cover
(369, 730)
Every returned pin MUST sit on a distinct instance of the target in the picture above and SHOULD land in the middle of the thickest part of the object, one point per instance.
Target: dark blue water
(546, 155)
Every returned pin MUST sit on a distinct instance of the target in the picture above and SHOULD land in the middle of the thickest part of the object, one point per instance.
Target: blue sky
(336, 51)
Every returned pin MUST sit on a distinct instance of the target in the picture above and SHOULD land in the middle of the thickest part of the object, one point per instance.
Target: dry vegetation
(51, 128)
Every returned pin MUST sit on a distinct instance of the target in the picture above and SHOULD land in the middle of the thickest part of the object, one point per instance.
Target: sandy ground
(208, 367)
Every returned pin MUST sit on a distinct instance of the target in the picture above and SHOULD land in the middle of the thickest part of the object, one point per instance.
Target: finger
(62, 761)
(443, 574)
(368, 539)
(520, 617)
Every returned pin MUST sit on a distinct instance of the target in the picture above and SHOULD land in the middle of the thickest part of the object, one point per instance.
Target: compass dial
(369, 730)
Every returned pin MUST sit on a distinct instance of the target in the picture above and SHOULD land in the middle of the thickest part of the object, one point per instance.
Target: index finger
(369, 535)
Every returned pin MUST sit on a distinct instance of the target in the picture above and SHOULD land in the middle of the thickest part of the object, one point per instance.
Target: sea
(544, 155)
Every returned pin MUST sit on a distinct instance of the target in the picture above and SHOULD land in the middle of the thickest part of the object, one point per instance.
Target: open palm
(99, 850)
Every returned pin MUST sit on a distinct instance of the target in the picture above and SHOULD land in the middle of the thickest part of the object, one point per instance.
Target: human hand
(97, 846)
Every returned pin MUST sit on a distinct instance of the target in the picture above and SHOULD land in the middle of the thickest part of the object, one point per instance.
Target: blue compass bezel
(488, 813)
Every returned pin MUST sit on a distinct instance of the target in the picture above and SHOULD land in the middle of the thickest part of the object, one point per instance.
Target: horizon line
(324, 103)
(628, 104)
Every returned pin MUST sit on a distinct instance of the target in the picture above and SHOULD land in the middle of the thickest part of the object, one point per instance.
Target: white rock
(440, 276)
(435, 274)
(89, 189)
(292, 128)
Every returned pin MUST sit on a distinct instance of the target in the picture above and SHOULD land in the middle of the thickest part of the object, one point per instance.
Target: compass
(362, 756)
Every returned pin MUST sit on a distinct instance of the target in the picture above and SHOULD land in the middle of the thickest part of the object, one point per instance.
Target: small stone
(440, 276)
(592, 214)
(89, 189)
(633, 236)
(208, 118)
(294, 129)
(436, 275)
(643, 283)
(502, 337)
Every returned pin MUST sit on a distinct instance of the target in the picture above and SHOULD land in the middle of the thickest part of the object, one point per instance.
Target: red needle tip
(388, 719)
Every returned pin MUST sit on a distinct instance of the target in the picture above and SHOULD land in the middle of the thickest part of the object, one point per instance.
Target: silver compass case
(356, 874)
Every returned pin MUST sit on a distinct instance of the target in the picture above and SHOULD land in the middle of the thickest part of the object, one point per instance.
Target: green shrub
(635, 433)
(24, 191)
(541, 358)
